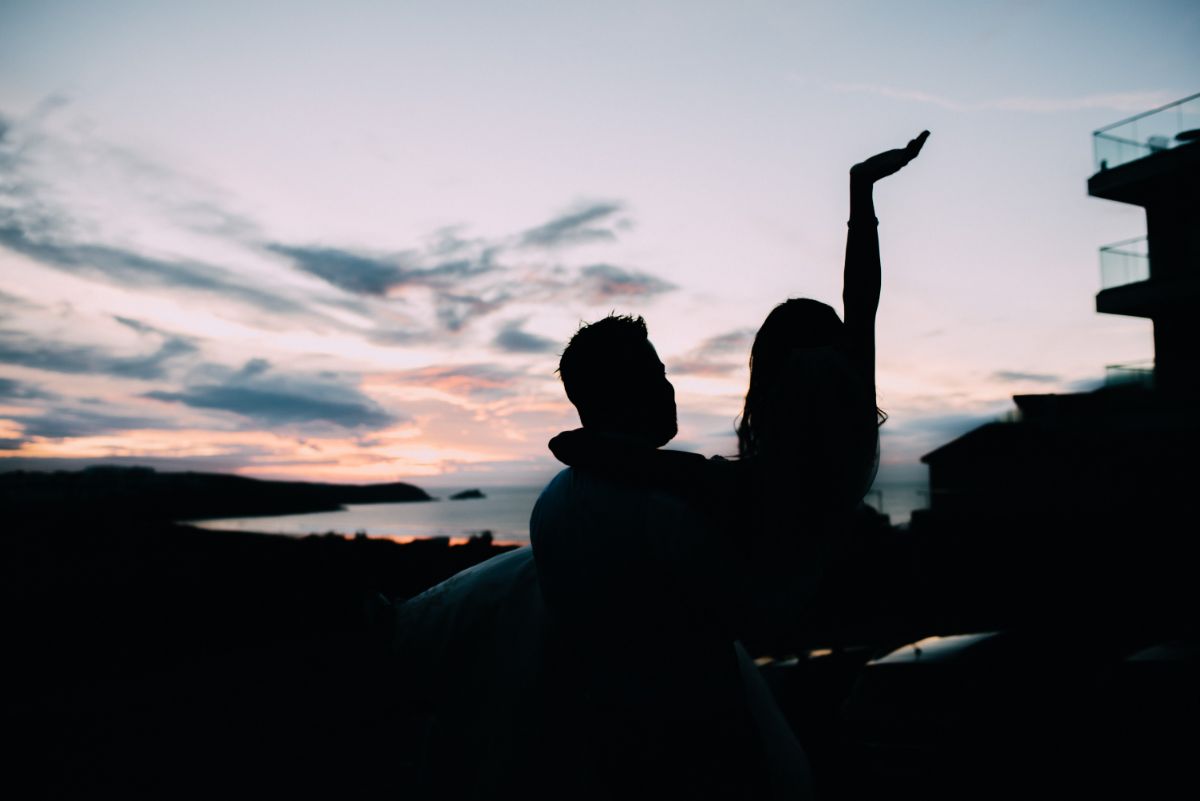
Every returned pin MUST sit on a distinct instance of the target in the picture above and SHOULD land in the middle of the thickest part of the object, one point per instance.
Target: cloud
(138, 325)
(601, 283)
(455, 311)
(474, 283)
(222, 463)
(737, 342)
(127, 268)
(1124, 102)
(73, 203)
(14, 302)
(371, 275)
(62, 196)
(266, 397)
(61, 422)
(512, 338)
(345, 270)
(28, 351)
(1015, 376)
(456, 298)
(480, 382)
(698, 367)
(576, 227)
(11, 389)
(720, 355)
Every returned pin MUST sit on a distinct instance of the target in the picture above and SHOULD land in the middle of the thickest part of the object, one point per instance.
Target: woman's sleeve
(862, 278)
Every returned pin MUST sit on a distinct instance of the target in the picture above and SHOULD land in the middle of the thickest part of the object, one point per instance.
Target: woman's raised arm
(860, 292)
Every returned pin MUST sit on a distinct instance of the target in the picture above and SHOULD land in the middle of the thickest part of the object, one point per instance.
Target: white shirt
(637, 580)
(617, 557)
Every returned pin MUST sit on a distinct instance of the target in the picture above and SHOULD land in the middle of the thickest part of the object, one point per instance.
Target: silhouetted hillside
(143, 493)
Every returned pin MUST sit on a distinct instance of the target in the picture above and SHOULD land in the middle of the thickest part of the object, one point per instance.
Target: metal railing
(1139, 136)
(1124, 262)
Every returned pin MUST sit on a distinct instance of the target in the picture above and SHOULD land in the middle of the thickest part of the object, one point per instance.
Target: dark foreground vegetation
(147, 659)
(161, 661)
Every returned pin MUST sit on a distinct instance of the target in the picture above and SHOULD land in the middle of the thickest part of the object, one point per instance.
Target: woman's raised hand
(889, 161)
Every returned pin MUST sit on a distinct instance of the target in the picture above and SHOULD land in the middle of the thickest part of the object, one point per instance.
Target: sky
(347, 241)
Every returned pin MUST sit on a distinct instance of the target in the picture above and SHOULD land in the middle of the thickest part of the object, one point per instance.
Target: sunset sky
(347, 241)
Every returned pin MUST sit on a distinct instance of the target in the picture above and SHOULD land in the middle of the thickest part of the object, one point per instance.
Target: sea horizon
(503, 512)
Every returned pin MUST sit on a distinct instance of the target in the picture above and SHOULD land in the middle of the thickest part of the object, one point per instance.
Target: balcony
(1147, 133)
(1125, 262)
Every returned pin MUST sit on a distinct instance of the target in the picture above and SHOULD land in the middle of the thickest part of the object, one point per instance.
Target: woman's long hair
(808, 410)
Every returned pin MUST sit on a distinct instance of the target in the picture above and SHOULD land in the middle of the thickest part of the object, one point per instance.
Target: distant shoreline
(145, 494)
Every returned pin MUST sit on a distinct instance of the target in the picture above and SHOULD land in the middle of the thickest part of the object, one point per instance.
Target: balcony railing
(1139, 373)
(1124, 262)
(1149, 132)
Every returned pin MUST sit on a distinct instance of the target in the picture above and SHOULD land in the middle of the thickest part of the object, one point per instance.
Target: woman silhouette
(808, 441)
(808, 450)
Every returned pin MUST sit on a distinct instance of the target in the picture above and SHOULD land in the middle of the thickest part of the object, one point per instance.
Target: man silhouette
(596, 663)
(643, 665)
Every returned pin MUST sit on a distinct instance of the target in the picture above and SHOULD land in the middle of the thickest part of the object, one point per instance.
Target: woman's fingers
(890, 161)
(915, 145)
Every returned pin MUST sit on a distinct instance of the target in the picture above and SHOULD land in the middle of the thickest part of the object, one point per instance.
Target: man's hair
(597, 356)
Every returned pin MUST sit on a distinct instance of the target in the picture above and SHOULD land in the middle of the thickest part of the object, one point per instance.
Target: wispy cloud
(456, 310)
(12, 389)
(12, 302)
(264, 396)
(82, 206)
(1016, 376)
(1123, 102)
(601, 283)
(575, 227)
(720, 355)
(469, 279)
(369, 275)
(29, 351)
(512, 338)
(154, 243)
(478, 382)
(62, 421)
(128, 268)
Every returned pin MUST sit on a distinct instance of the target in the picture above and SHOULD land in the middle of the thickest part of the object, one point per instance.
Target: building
(1130, 446)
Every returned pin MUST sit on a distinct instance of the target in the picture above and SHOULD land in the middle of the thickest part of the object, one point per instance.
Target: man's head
(614, 377)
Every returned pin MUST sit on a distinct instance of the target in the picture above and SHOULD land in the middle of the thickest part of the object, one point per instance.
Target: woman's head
(795, 323)
(808, 401)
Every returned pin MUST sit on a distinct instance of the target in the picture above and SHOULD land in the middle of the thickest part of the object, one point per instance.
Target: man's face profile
(652, 397)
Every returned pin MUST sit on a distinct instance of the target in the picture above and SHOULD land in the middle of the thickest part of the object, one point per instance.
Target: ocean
(504, 512)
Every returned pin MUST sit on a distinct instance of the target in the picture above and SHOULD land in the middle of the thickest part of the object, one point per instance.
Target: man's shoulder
(578, 499)
(576, 485)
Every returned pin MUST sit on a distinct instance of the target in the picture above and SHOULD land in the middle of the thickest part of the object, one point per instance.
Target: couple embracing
(605, 661)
